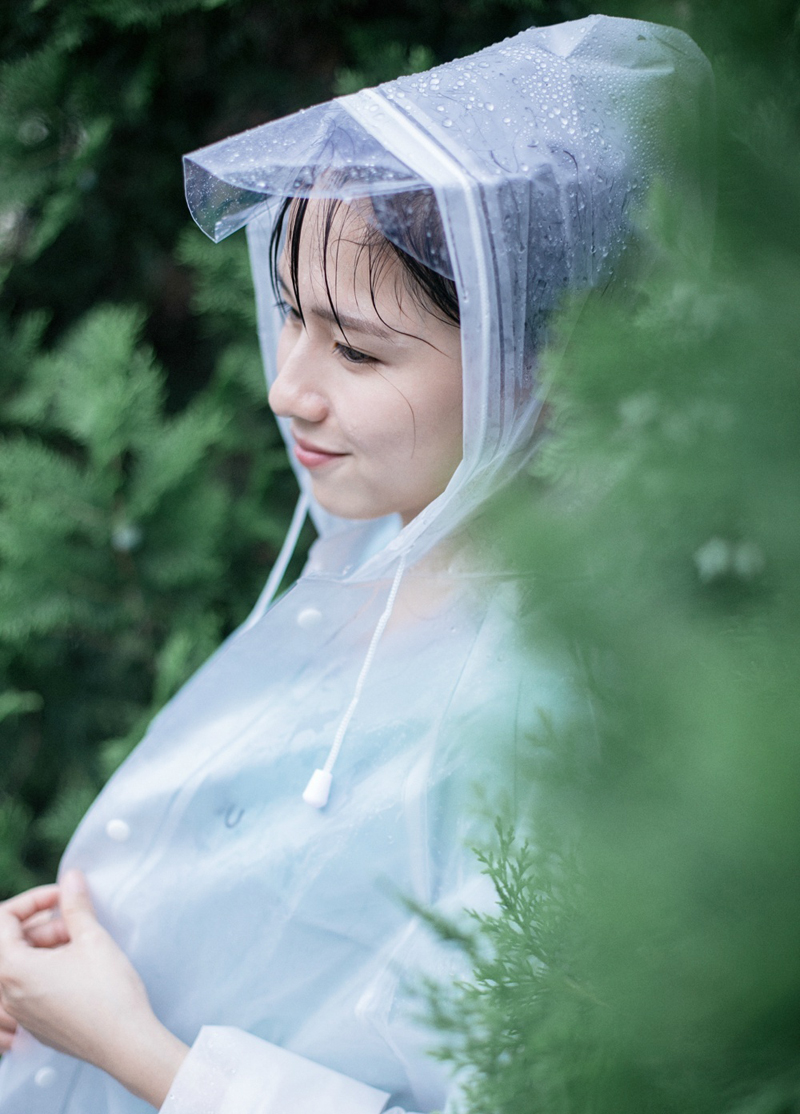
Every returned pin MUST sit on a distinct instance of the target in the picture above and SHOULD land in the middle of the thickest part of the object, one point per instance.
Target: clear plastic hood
(320, 149)
(539, 153)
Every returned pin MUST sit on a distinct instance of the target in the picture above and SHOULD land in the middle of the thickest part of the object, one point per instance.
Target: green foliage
(643, 957)
(131, 539)
(14, 825)
(390, 60)
(49, 144)
(120, 540)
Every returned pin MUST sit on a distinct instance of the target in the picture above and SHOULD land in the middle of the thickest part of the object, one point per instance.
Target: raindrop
(713, 559)
(233, 816)
(126, 537)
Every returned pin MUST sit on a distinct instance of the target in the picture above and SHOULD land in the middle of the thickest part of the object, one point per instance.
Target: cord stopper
(318, 790)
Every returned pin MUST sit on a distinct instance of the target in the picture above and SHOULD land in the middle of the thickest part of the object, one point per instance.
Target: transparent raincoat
(270, 934)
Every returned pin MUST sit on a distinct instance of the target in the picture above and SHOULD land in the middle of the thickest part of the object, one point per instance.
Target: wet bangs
(431, 291)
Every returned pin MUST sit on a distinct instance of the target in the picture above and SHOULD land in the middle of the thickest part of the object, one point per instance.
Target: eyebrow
(343, 320)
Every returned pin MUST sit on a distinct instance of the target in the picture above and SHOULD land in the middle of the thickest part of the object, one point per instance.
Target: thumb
(77, 910)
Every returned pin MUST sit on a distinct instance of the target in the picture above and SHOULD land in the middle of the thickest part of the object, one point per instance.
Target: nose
(295, 392)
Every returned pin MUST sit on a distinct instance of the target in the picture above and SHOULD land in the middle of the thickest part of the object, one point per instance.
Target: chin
(356, 509)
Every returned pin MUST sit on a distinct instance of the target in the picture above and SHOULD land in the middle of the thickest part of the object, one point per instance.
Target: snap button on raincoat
(270, 935)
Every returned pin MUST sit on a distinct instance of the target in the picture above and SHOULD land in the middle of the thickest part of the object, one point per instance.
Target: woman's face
(375, 405)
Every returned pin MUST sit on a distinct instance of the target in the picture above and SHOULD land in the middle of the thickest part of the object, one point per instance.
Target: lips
(314, 456)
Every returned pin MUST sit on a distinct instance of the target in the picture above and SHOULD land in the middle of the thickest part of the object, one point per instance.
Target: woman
(250, 940)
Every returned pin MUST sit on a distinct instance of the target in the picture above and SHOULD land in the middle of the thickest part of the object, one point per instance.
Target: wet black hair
(414, 216)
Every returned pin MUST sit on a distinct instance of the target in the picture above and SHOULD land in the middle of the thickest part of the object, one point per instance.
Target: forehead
(331, 250)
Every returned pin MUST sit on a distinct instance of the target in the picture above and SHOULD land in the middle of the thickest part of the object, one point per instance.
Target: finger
(54, 934)
(33, 901)
(44, 916)
(17, 910)
(6, 1040)
(49, 934)
(45, 929)
(11, 933)
(76, 905)
(7, 1022)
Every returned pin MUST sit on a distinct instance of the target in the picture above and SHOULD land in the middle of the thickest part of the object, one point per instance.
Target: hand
(41, 930)
(8, 1028)
(69, 984)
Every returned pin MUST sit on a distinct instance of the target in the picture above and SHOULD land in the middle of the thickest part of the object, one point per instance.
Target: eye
(352, 355)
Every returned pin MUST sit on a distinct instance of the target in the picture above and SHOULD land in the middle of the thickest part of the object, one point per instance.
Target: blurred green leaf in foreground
(645, 957)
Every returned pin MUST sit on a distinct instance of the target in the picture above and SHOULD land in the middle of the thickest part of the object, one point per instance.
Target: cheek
(376, 415)
(440, 414)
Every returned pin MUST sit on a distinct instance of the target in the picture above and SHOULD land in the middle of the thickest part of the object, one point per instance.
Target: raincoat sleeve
(229, 1071)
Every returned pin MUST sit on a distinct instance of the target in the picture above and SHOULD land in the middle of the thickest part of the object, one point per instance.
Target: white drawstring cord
(318, 789)
(284, 557)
